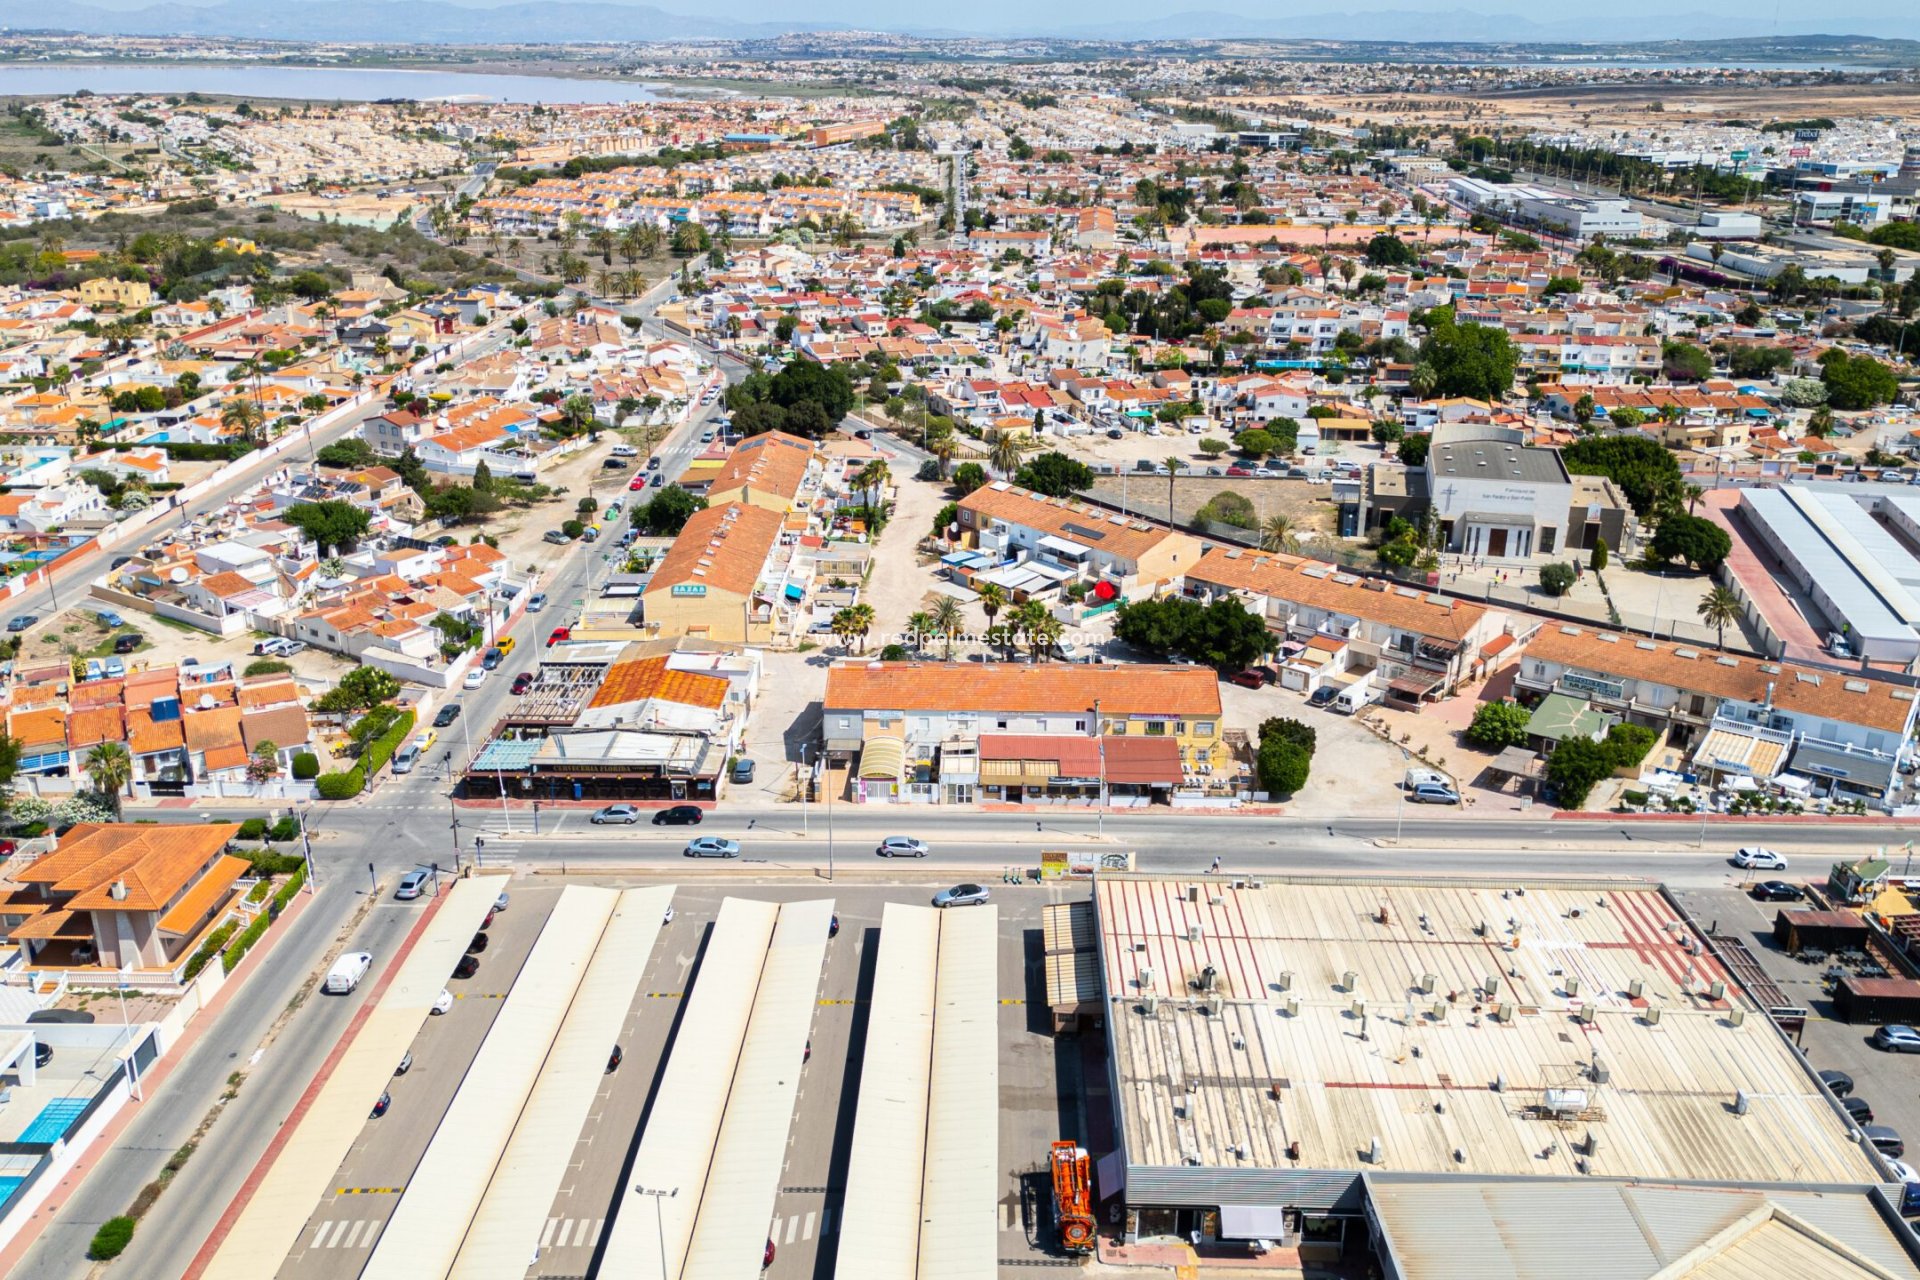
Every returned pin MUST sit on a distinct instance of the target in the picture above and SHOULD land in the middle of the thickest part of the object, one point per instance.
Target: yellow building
(768, 470)
(722, 579)
(128, 295)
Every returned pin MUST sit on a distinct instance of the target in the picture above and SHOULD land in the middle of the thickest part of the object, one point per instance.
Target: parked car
(442, 1002)
(522, 683)
(1247, 680)
(614, 464)
(558, 634)
(712, 847)
(479, 943)
(1754, 857)
(1858, 1110)
(411, 885)
(467, 967)
(902, 847)
(447, 715)
(43, 1052)
(1838, 1083)
(114, 668)
(1323, 696)
(536, 602)
(499, 904)
(625, 814)
(406, 1063)
(962, 895)
(1433, 793)
(1776, 891)
(380, 1107)
(1115, 433)
(491, 659)
(1895, 1038)
(1886, 1140)
(557, 537)
(127, 643)
(476, 676)
(742, 771)
(22, 622)
(679, 815)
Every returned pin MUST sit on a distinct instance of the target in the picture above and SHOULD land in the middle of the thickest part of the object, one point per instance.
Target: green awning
(1561, 716)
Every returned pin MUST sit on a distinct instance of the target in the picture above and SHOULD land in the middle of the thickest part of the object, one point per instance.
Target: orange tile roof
(210, 730)
(773, 462)
(144, 734)
(154, 860)
(55, 924)
(43, 726)
(651, 678)
(226, 757)
(185, 915)
(723, 547)
(1018, 687)
(267, 692)
(95, 725)
(282, 726)
(1313, 583)
(1124, 537)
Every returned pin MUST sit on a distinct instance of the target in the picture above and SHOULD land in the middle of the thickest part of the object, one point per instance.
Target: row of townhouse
(181, 726)
(1586, 360)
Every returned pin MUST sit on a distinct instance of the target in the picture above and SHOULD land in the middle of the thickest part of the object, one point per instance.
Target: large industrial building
(1832, 542)
(1278, 1049)
(1546, 208)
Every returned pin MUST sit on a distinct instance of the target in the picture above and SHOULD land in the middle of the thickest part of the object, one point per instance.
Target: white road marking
(546, 1237)
(352, 1239)
(806, 1232)
(793, 1229)
(560, 1237)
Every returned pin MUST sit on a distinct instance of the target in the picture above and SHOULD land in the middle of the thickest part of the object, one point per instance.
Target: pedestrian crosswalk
(572, 1233)
(346, 1233)
(801, 1226)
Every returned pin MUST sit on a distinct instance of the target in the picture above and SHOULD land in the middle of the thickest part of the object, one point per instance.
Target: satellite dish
(206, 702)
(178, 574)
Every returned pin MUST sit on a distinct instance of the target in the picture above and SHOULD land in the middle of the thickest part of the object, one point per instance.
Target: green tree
(1556, 578)
(361, 689)
(1298, 732)
(110, 768)
(1281, 767)
(1054, 474)
(1857, 382)
(1644, 469)
(1575, 766)
(1497, 726)
(1386, 431)
(1693, 539)
(944, 518)
(1412, 449)
(968, 476)
(1597, 560)
(1684, 362)
(482, 477)
(668, 512)
(328, 524)
(1718, 609)
(1467, 359)
(1387, 250)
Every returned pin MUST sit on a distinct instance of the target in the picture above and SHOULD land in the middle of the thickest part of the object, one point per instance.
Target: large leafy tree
(668, 512)
(1698, 541)
(1644, 469)
(1467, 359)
(330, 524)
(1054, 474)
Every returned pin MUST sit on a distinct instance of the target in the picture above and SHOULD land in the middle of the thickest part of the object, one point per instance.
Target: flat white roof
(270, 1224)
(923, 1176)
(676, 1150)
(424, 1234)
(506, 1230)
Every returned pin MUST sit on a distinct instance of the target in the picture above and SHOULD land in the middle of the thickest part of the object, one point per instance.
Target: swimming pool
(53, 1120)
(7, 1187)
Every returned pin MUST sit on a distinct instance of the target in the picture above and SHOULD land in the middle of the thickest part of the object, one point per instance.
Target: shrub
(1497, 725)
(237, 949)
(306, 767)
(1556, 578)
(260, 890)
(291, 887)
(253, 829)
(266, 667)
(340, 786)
(288, 828)
(263, 861)
(1282, 766)
(215, 942)
(114, 1235)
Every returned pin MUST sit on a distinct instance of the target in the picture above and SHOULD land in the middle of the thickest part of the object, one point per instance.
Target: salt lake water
(347, 84)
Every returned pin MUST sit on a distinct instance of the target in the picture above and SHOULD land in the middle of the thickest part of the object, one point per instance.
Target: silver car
(622, 813)
(712, 847)
(902, 847)
(962, 895)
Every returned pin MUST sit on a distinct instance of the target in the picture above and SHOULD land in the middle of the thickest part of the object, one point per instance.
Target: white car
(443, 1001)
(902, 847)
(1756, 858)
(475, 678)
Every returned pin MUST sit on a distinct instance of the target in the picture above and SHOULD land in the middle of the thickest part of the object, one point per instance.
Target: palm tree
(1173, 465)
(872, 478)
(949, 621)
(943, 451)
(1717, 608)
(111, 769)
(1004, 453)
(244, 416)
(993, 598)
(920, 625)
(1025, 621)
(1277, 535)
(843, 626)
(1042, 632)
(1693, 494)
(862, 622)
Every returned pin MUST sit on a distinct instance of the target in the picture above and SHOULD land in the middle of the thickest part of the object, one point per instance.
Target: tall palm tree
(111, 769)
(1277, 534)
(1718, 608)
(1026, 620)
(843, 626)
(244, 416)
(949, 620)
(871, 478)
(1004, 453)
(993, 598)
(1042, 632)
(920, 625)
(1173, 465)
(1693, 494)
(943, 451)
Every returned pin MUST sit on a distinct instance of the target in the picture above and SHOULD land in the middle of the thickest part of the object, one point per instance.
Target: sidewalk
(319, 1081)
(150, 1084)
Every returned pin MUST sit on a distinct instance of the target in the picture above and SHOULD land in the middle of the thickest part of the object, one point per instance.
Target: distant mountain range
(586, 21)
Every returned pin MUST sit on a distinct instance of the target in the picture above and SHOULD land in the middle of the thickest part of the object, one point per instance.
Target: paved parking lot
(1891, 1082)
(1040, 1086)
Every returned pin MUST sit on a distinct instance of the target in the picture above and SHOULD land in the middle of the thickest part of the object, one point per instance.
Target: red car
(637, 483)
(559, 634)
(1238, 471)
(522, 683)
(1248, 679)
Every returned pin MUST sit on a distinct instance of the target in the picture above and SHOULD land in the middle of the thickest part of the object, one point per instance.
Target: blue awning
(795, 593)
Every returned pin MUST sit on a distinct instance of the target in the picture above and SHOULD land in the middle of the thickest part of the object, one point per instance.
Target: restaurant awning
(1252, 1222)
(883, 758)
(1861, 768)
(1143, 761)
(1561, 716)
(1728, 751)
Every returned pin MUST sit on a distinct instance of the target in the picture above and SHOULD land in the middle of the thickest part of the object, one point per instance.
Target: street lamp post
(133, 1069)
(659, 1222)
(1400, 804)
(1100, 742)
(829, 821)
(306, 850)
(806, 785)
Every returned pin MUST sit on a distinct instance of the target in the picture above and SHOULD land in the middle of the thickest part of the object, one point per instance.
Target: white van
(347, 972)
(405, 758)
(1355, 696)
(625, 451)
(1427, 777)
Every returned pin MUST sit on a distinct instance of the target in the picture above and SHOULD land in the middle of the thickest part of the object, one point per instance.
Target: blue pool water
(53, 1120)
(7, 1187)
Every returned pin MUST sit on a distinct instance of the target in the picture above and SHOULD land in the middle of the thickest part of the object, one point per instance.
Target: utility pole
(454, 811)
(306, 851)
(1100, 740)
